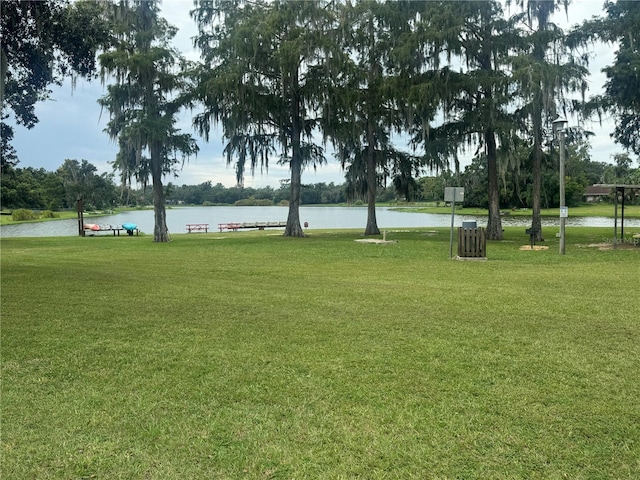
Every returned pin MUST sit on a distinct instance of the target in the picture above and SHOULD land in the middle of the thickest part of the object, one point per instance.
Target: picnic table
(197, 227)
(93, 229)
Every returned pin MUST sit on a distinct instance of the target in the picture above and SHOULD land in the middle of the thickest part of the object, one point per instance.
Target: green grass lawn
(252, 355)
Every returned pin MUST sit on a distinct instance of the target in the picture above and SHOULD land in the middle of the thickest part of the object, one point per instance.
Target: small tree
(477, 101)
(545, 70)
(144, 101)
(367, 100)
(262, 81)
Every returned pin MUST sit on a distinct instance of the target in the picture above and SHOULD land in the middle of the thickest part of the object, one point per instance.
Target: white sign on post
(564, 212)
(454, 194)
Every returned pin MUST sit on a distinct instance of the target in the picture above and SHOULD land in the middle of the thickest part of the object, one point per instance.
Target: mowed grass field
(252, 355)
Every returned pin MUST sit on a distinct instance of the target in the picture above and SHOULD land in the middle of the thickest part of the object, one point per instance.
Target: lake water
(316, 217)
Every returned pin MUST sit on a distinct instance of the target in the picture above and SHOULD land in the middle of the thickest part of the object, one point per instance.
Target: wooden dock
(235, 226)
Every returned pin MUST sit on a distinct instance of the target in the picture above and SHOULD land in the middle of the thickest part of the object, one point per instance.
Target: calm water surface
(316, 217)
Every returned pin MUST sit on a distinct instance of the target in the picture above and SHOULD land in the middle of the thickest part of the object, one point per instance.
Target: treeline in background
(38, 189)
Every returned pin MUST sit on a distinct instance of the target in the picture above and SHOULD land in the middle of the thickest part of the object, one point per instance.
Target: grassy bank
(6, 219)
(586, 210)
(251, 355)
(66, 215)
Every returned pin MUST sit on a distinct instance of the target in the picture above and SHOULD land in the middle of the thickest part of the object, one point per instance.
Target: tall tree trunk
(293, 228)
(372, 223)
(160, 230)
(536, 168)
(372, 184)
(494, 222)
(373, 84)
(3, 74)
(542, 10)
(536, 218)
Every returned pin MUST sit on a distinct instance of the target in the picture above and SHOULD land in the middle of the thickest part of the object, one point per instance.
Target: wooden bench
(235, 226)
(229, 226)
(197, 227)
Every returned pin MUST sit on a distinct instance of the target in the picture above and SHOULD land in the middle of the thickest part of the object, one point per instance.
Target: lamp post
(559, 127)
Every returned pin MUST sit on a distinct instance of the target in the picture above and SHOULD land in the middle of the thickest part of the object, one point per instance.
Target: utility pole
(559, 126)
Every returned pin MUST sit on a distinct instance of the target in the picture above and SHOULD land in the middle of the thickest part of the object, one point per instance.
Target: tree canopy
(621, 26)
(43, 42)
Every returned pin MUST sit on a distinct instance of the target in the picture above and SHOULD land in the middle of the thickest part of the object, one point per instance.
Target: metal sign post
(80, 208)
(560, 128)
(453, 195)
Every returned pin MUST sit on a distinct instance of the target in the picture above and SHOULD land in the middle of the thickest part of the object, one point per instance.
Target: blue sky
(71, 122)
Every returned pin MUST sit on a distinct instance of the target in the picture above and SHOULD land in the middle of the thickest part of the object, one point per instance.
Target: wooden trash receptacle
(472, 242)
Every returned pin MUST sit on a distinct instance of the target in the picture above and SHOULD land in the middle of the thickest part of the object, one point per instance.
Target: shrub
(54, 205)
(49, 214)
(23, 214)
(253, 202)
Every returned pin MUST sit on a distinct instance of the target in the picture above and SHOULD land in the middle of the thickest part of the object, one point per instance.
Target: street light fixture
(559, 128)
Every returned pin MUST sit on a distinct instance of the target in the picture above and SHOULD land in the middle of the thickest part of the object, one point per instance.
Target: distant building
(595, 194)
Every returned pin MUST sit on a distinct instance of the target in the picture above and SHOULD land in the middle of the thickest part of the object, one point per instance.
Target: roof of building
(616, 185)
(595, 190)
